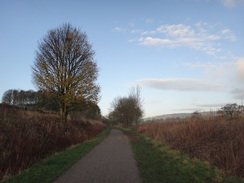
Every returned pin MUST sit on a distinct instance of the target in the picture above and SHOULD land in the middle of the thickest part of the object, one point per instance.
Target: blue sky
(186, 55)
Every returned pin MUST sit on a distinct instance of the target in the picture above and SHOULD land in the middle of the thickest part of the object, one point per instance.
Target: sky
(186, 55)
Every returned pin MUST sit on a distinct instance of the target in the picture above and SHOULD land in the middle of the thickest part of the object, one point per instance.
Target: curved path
(111, 161)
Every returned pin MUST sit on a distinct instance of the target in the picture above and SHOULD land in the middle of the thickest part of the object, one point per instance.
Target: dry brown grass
(26, 136)
(213, 139)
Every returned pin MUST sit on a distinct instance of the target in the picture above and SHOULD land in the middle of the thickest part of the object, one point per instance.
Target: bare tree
(127, 110)
(136, 104)
(64, 68)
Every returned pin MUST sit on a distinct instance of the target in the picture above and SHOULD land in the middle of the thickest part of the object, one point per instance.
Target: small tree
(64, 68)
(196, 115)
(7, 97)
(10, 97)
(231, 111)
(136, 104)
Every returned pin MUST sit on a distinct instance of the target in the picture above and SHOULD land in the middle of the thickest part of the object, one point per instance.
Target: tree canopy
(65, 69)
(231, 111)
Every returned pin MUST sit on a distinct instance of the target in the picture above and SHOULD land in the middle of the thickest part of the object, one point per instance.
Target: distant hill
(174, 115)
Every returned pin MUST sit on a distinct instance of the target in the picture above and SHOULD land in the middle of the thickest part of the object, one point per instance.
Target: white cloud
(231, 73)
(228, 34)
(223, 71)
(204, 65)
(228, 3)
(239, 65)
(238, 93)
(149, 21)
(212, 66)
(134, 31)
(180, 84)
(201, 36)
(149, 41)
(194, 43)
(232, 3)
(119, 29)
(198, 37)
(225, 31)
(200, 24)
(211, 105)
(176, 30)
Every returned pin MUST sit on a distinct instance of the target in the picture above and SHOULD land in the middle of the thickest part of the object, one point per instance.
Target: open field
(26, 137)
(167, 165)
(213, 139)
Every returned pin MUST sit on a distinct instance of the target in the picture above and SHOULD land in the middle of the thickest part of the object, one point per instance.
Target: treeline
(35, 100)
(38, 100)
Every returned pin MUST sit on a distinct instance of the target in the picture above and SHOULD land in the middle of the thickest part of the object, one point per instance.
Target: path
(111, 161)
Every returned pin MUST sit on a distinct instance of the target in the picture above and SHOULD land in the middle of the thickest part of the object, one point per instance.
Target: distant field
(209, 138)
(26, 137)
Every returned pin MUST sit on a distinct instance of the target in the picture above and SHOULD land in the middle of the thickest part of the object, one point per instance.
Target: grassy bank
(52, 167)
(27, 137)
(158, 163)
(211, 138)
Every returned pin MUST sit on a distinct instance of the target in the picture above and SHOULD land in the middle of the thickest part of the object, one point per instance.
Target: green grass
(158, 163)
(49, 169)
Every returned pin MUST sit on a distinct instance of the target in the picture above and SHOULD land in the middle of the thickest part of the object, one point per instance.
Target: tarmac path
(111, 161)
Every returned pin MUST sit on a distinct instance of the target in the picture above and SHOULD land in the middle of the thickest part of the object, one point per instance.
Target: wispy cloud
(210, 105)
(232, 3)
(119, 29)
(232, 73)
(228, 34)
(203, 65)
(180, 84)
(135, 31)
(228, 3)
(197, 37)
(239, 65)
(204, 107)
(238, 93)
(212, 70)
(149, 21)
(200, 36)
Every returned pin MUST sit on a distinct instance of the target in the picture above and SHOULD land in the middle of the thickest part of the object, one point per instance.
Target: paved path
(111, 161)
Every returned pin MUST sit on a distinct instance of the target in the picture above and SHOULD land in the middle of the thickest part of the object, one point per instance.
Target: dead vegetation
(212, 138)
(27, 137)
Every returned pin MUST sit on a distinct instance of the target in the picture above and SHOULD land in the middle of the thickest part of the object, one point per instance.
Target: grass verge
(49, 169)
(158, 163)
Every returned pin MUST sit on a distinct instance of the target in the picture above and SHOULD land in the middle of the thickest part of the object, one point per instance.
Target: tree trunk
(64, 112)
